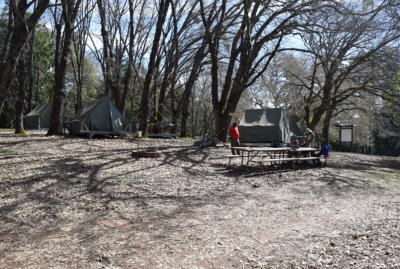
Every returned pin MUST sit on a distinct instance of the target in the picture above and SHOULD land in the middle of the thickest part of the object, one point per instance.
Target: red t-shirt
(234, 132)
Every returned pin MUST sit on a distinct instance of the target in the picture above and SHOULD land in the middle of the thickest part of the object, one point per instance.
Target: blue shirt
(324, 149)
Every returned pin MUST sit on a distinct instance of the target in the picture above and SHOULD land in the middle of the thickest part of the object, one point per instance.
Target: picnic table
(275, 155)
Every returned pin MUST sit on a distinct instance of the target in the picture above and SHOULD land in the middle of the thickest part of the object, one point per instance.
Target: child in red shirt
(234, 137)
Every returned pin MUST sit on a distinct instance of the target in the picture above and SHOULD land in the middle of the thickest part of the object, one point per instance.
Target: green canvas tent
(38, 118)
(294, 128)
(99, 116)
(266, 126)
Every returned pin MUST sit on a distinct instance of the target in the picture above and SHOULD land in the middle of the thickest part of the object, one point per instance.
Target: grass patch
(4, 151)
(20, 132)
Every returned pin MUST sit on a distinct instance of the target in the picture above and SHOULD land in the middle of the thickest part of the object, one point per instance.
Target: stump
(146, 154)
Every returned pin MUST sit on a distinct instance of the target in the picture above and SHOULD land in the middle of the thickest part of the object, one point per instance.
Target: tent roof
(90, 106)
(261, 117)
(39, 110)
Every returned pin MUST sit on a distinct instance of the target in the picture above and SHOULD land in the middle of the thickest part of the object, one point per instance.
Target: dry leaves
(72, 202)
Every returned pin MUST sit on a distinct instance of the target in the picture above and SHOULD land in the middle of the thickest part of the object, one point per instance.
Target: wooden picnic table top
(271, 149)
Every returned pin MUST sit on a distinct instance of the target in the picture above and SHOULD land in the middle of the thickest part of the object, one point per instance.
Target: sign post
(346, 135)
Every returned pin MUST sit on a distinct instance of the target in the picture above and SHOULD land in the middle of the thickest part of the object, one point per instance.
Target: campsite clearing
(87, 203)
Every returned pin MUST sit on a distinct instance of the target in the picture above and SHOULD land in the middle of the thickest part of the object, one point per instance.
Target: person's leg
(233, 145)
(238, 145)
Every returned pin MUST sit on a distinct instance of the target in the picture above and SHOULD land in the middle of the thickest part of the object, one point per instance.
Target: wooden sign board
(346, 135)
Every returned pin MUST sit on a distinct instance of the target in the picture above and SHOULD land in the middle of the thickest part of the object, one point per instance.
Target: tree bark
(19, 105)
(7, 70)
(7, 39)
(106, 57)
(327, 122)
(29, 67)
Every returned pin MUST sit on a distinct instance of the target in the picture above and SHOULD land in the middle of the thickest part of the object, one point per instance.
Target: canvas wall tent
(39, 118)
(266, 126)
(99, 116)
(294, 128)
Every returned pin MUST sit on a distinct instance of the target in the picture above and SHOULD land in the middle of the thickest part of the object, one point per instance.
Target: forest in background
(193, 62)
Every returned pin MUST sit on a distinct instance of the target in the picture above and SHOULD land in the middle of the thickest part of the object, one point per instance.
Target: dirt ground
(79, 203)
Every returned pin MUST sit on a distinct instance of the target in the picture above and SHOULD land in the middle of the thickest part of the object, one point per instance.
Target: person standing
(309, 138)
(234, 137)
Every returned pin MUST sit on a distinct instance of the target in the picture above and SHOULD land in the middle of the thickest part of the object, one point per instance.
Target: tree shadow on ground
(361, 162)
(64, 181)
(92, 182)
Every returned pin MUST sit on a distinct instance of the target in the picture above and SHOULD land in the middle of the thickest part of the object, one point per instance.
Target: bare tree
(144, 103)
(79, 42)
(124, 34)
(184, 50)
(271, 89)
(341, 40)
(256, 31)
(64, 25)
(19, 34)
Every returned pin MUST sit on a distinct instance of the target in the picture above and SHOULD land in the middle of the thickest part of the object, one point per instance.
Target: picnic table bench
(293, 160)
(232, 156)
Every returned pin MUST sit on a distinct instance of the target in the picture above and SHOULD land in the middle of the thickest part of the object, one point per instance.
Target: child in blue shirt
(324, 148)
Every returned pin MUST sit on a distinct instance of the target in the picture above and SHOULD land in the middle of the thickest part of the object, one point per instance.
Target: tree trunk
(187, 93)
(56, 117)
(7, 39)
(29, 67)
(37, 86)
(79, 86)
(184, 123)
(144, 103)
(327, 122)
(164, 85)
(205, 122)
(19, 105)
(7, 69)
(106, 43)
(64, 48)
(221, 126)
